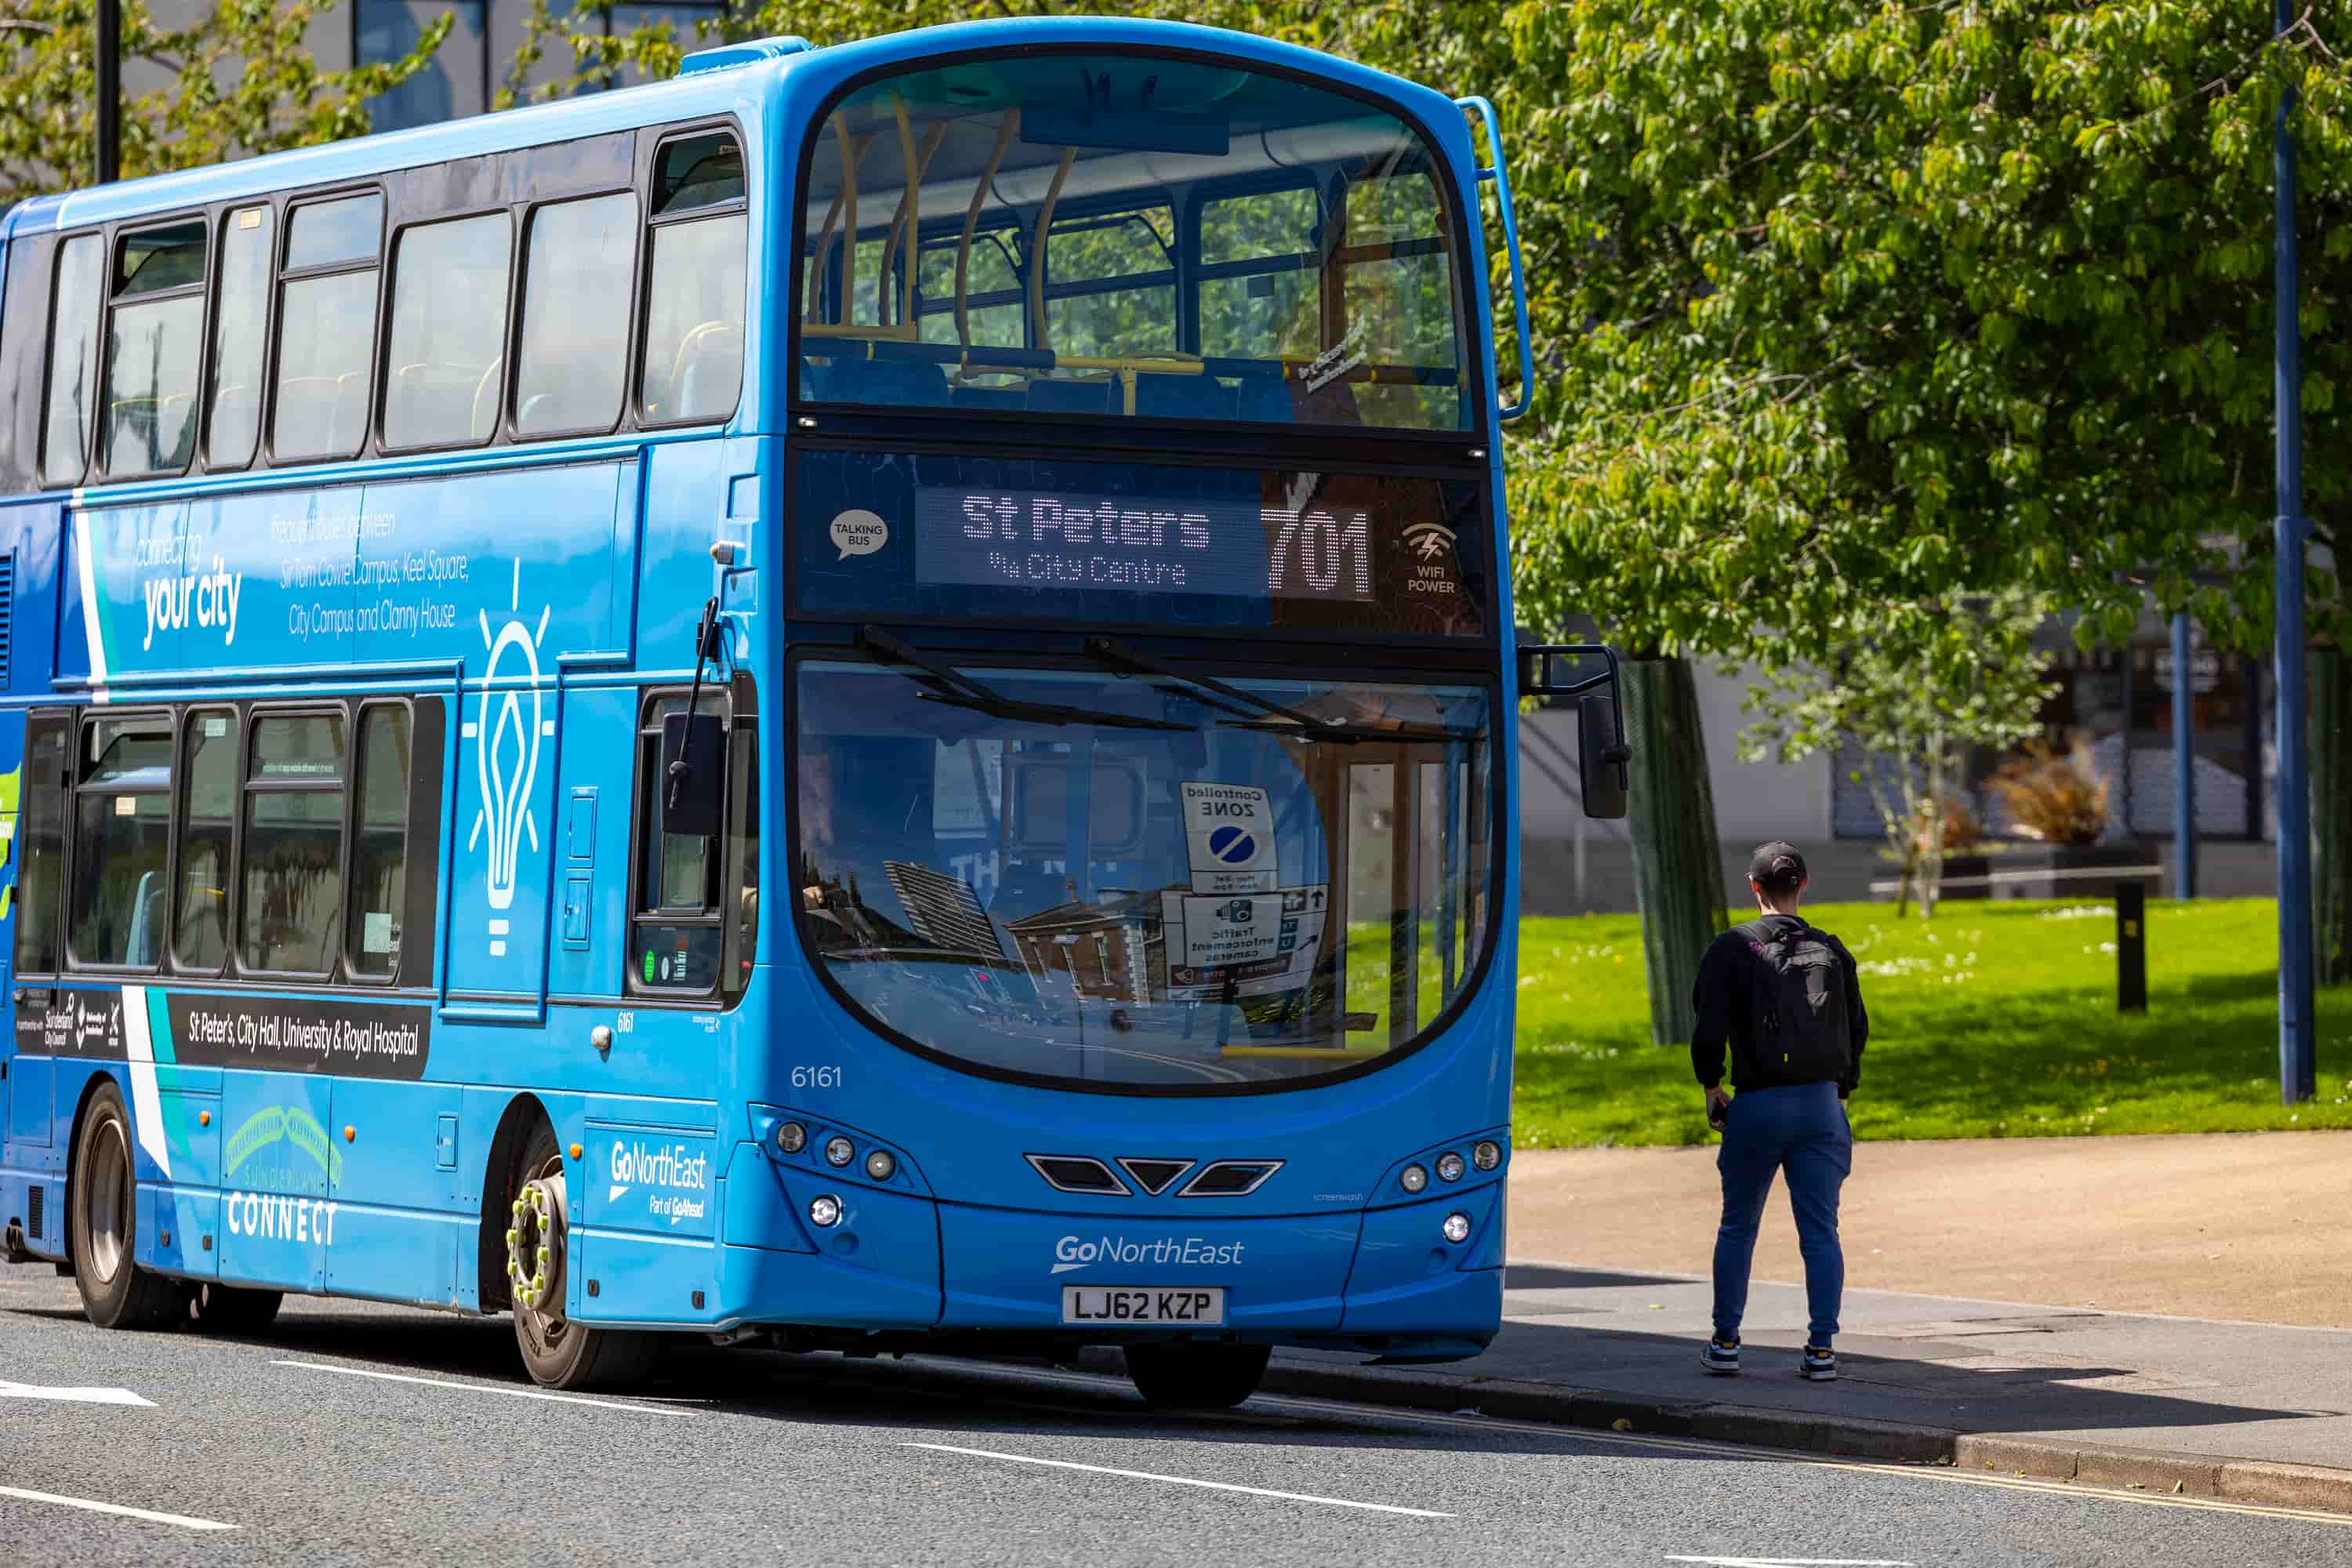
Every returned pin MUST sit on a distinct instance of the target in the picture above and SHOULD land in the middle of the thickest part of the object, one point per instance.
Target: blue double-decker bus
(861, 701)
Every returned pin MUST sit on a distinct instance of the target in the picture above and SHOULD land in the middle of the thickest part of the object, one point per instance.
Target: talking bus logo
(513, 724)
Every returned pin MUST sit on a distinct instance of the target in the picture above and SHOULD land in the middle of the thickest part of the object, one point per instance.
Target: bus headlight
(880, 1163)
(1456, 1226)
(1485, 1154)
(1412, 1178)
(839, 1151)
(824, 1213)
(1449, 1166)
(792, 1137)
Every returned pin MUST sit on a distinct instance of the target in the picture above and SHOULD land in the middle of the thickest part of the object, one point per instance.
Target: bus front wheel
(1197, 1377)
(557, 1351)
(115, 1292)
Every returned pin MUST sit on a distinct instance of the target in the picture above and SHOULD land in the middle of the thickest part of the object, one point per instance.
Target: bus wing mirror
(693, 772)
(1601, 758)
(1601, 755)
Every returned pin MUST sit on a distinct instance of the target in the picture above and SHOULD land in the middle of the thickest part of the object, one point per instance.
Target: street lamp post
(2298, 1069)
(109, 91)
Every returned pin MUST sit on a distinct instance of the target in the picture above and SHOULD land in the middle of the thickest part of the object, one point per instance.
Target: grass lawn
(1998, 1020)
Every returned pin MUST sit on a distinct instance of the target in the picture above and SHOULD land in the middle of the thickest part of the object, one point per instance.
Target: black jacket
(1724, 993)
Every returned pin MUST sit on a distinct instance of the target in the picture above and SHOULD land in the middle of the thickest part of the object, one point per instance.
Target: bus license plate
(1203, 1306)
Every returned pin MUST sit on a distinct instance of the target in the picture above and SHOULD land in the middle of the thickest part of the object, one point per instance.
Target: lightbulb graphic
(507, 759)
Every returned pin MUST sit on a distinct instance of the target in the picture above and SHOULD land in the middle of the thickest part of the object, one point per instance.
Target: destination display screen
(1120, 545)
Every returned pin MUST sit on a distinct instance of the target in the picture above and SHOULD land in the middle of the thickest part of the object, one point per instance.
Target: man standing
(1787, 1000)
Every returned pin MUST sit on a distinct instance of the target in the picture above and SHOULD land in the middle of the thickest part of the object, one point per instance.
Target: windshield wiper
(1302, 725)
(953, 687)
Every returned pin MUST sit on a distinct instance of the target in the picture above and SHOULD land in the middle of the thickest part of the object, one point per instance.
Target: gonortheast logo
(672, 1165)
(1077, 1252)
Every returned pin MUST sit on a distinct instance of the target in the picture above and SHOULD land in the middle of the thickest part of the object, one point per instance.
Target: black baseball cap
(1779, 857)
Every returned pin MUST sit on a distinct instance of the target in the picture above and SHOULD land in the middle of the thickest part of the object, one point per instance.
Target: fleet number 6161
(816, 1077)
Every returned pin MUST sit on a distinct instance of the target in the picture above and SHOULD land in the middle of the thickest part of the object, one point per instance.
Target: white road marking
(484, 1388)
(1943, 1473)
(1178, 1480)
(1799, 1562)
(79, 1396)
(181, 1519)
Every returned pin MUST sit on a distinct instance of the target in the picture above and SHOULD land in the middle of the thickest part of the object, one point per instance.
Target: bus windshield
(1128, 874)
(1124, 236)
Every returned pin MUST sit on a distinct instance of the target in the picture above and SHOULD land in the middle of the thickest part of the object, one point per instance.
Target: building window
(454, 83)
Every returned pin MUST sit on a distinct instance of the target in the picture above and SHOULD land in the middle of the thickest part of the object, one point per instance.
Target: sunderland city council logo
(505, 757)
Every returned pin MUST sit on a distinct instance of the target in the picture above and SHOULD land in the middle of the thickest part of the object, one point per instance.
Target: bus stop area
(2086, 1383)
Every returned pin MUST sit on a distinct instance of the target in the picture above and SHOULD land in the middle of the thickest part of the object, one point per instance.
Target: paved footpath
(1948, 1359)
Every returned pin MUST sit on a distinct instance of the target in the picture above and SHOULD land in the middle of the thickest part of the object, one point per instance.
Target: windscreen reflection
(1227, 899)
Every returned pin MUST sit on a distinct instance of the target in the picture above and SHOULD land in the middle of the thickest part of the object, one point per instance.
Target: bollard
(2131, 947)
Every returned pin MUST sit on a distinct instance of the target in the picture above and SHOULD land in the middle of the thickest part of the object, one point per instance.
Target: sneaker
(1720, 1357)
(1820, 1365)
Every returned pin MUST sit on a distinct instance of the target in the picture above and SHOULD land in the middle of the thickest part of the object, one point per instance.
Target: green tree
(1850, 306)
(239, 80)
(1932, 682)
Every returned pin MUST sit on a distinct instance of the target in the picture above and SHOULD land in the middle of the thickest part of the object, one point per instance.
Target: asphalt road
(360, 1435)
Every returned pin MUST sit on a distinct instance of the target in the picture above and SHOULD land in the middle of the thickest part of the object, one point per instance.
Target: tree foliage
(1852, 306)
(238, 80)
(1934, 682)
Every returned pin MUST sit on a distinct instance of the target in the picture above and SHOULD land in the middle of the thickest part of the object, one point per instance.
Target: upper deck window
(1123, 236)
(449, 324)
(694, 294)
(153, 350)
(73, 359)
(326, 329)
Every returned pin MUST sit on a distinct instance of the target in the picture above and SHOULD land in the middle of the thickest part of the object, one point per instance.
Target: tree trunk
(1677, 861)
(2331, 817)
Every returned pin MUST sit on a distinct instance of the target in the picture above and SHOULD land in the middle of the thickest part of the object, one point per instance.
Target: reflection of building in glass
(1111, 952)
(944, 910)
(2113, 706)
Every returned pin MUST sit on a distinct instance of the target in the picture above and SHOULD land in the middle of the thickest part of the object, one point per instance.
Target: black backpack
(1798, 1004)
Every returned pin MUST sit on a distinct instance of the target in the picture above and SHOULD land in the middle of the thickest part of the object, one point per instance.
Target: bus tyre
(557, 1351)
(230, 1310)
(115, 1292)
(1197, 1377)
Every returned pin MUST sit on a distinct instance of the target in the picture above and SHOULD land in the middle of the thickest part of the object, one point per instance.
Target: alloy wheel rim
(110, 1199)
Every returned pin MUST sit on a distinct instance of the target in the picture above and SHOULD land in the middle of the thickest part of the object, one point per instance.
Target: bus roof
(739, 78)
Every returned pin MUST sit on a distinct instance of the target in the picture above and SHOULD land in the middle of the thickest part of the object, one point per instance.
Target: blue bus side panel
(592, 841)
(186, 1232)
(279, 1159)
(686, 489)
(1407, 1279)
(504, 571)
(399, 1212)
